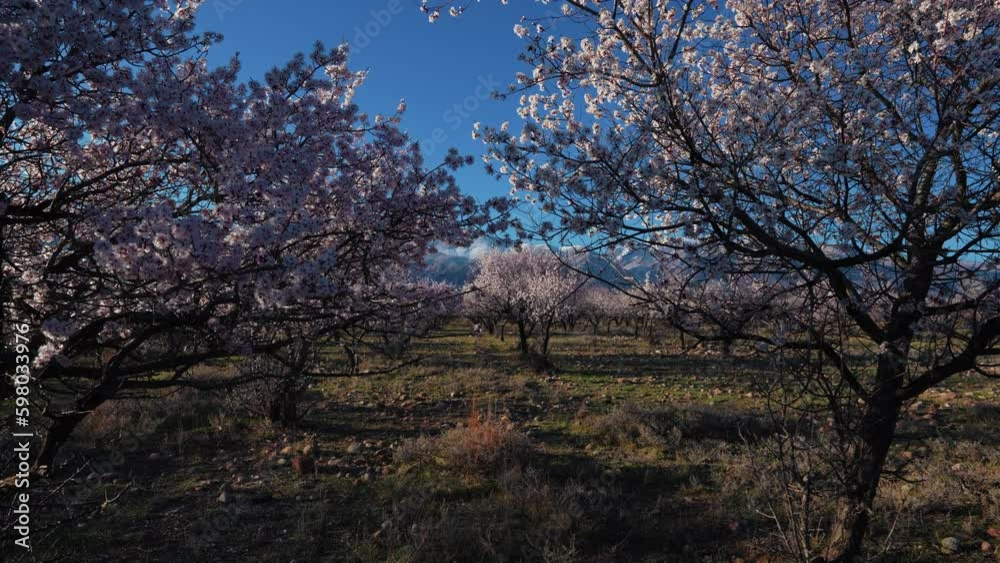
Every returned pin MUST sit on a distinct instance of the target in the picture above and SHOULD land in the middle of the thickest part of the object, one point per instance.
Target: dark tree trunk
(545, 340)
(284, 409)
(877, 431)
(651, 336)
(353, 362)
(522, 334)
(62, 428)
(57, 435)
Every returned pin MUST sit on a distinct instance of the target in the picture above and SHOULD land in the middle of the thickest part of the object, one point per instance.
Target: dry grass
(487, 444)
(629, 425)
(524, 516)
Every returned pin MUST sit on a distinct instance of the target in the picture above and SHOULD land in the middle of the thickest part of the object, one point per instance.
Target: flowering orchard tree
(530, 287)
(156, 213)
(273, 381)
(848, 148)
(404, 317)
(723, 309)
(484, 313)
(598, 303)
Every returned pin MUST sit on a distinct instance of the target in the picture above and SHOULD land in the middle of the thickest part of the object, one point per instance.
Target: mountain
(454, 266)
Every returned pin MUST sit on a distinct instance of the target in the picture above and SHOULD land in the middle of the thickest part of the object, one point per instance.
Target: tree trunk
(57, 435)
(63, 426)
(545, 340)
(283, 409)
(353, 364)
(522, 334)
(878, 429)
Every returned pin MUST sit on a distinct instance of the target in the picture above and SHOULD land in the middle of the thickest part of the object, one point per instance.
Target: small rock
(281, 462)
(223, 497)
(950, 545)
(354, 448)
(153, 456)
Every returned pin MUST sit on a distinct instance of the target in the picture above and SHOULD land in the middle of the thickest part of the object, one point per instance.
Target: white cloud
(474, 250)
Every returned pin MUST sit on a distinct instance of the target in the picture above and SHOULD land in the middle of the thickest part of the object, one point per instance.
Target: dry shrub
(273, 392)
(140, 416)
(486, 445)
(629, 425)
(112, 419)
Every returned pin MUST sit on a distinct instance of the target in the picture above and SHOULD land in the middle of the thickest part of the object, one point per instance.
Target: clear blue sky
(435, 67)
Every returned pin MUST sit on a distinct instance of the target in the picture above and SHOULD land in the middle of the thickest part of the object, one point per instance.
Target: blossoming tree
(156, 213)
(531, 287)
(847, 149)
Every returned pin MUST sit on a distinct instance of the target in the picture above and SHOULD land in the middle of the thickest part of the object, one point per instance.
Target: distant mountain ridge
(454, 266)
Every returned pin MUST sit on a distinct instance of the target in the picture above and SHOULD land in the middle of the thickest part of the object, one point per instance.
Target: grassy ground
(623, 454)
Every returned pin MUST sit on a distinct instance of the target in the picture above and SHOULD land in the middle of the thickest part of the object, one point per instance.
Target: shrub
(629, 425)
(486, 445)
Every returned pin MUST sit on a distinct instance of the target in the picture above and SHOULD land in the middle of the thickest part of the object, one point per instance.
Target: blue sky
(441, 69)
